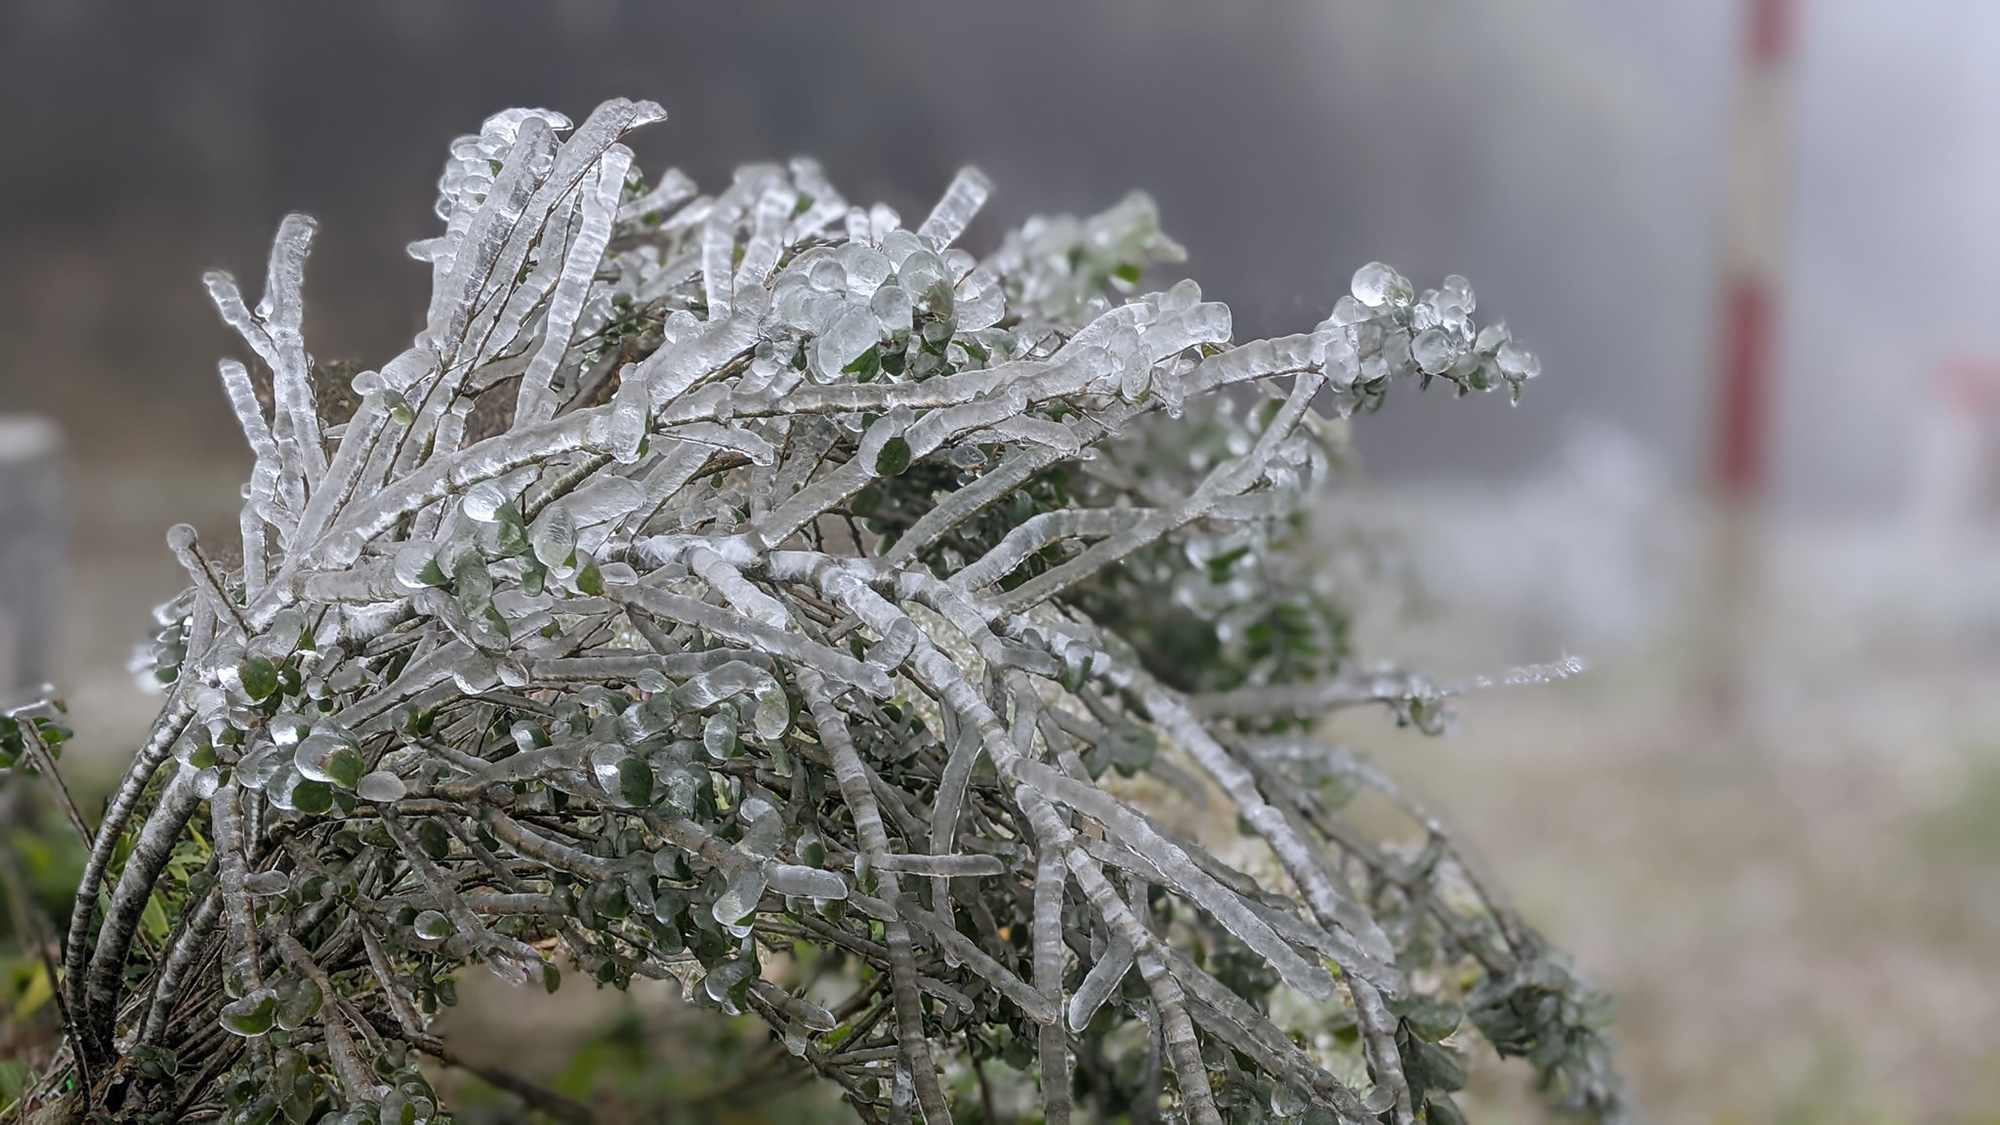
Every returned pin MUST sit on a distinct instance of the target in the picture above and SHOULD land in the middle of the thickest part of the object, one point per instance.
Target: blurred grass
(640, 1056)
(1967, 831)
(40, 862)
(1799, 912)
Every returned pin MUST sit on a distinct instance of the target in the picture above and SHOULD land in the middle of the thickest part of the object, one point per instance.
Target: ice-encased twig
(853, 781)
(955, 210)
(600, 190)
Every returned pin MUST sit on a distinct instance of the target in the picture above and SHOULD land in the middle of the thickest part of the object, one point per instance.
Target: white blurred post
(1953, 430)
(33, 523)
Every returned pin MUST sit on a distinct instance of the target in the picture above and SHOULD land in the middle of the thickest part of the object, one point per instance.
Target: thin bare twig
(45, 761)
(562, 1107)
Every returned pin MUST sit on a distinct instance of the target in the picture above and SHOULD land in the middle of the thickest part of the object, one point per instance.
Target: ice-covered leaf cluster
(755, 591)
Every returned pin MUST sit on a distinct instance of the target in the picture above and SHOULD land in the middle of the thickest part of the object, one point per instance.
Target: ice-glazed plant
(753, 591)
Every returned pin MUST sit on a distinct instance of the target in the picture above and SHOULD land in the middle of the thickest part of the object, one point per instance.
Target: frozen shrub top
(752, 590)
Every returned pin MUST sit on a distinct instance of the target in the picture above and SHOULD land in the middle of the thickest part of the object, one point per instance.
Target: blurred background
(1756, 243)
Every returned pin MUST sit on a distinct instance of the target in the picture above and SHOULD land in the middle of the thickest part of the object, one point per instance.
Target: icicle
(854, 785)
(516, 326)
(941, 866)
(1037, 532)
(827, 204)
(1100, 983)
(718, 272)
(808, 1014)
(948, 805)
(1051, 874)
(455, 295)
(1285, 840)
(283, 312)
(345, 473)
(760, 254)
(249, 415)
(674, 189)
(1186, 877)
(954, 212)
(1378, 1033)
(600, 189)
(805, 882)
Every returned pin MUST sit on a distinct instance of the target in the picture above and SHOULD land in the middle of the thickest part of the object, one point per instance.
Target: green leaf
(1440, 1110)
(865, 366)
(432, 925)
(610, 900)
(635, 781)
(154, 919)
(894, 458)
(299, 1004)
(1220, 566)
(345, 766)
(259, 676)
(512, 533)
(434, 839)
(1429, 1020)
(313, 798)
(34, 993)
(251, 1016)
(588, 579)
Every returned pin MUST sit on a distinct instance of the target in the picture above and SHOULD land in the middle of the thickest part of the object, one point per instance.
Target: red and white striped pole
(1753, 249)
(1752, 258)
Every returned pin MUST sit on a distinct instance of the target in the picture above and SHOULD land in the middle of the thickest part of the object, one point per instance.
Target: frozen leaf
(298, 1004)
(381, 786)
(635, 781)
(718, 736)
(330, 756)
(1376, 285)
(432, 925)
(804, 882)
(265, 883)
(740, 896)
(253, 1015)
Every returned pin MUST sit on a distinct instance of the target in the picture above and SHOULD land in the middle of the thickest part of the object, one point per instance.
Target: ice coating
(719, 572)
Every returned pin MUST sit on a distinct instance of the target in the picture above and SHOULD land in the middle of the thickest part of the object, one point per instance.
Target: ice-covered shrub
(754, 591)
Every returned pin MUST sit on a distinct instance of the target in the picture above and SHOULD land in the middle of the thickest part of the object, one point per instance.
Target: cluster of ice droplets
(859, 295)
(1058, 266)
(1386, 330)
(476, 160)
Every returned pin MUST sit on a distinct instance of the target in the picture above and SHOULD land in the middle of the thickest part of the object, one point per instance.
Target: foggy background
(1766, 825)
